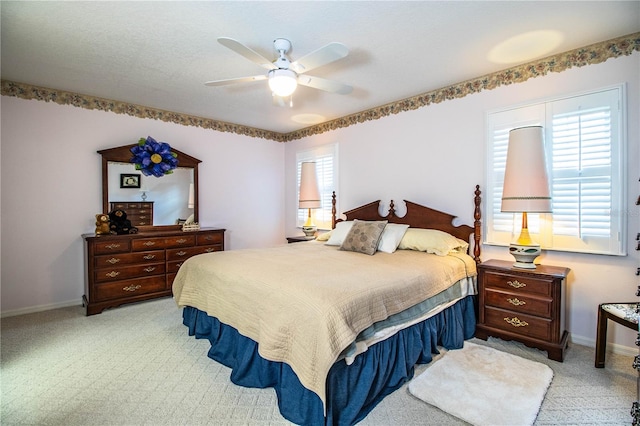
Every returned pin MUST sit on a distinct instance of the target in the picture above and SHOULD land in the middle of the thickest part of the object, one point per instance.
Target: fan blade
(243, 50)
(235, 80)
(323, 84)
(323, 56)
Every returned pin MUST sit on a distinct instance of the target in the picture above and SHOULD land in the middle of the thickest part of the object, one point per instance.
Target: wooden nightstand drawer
(518, 284)
(518, 302)
(523, 324)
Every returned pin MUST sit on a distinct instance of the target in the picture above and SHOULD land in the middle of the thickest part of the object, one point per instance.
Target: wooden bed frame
(419, 216)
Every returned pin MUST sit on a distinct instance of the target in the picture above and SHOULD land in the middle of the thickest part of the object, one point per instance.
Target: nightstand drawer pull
(516, 284)
(516, 322)
(516, 302)
(132, 287)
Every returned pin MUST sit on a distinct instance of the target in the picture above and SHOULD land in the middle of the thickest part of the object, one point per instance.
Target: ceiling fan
(284, 75)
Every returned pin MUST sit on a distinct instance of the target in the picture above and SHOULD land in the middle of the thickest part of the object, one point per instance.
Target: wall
(51, 191)
(436, 155)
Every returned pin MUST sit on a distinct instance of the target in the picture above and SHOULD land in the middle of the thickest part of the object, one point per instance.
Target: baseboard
(40, 308)
(611, 347)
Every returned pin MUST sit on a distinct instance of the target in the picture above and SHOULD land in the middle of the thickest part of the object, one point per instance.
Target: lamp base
(309, 231)
(525, 255)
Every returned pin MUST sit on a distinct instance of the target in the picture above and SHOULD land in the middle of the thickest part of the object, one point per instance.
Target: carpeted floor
(136, 365)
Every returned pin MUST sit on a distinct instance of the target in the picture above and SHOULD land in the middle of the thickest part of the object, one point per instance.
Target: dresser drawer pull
(181, 253)
(516, 302)
(208, 238)
(142, 217)
(112, 246)
(132, 287)
(516, 284)
(210, 250)
(181, 241)
(150, 269)
(149, 257)
(179, 264)
(516, 322)
(150, 243)
(113, 274)
(113, 260)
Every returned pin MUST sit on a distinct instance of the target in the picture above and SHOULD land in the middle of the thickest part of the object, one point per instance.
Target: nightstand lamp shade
(526, 188)
(309, 195)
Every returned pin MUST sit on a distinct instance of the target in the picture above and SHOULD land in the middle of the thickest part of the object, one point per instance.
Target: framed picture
(129, 181)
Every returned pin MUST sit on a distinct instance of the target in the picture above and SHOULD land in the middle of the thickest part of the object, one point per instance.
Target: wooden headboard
(419, 216)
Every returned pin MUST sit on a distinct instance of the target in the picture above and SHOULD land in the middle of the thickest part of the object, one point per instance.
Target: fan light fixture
(283, 82)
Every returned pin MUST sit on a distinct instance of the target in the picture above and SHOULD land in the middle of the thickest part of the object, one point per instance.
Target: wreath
(154, 158)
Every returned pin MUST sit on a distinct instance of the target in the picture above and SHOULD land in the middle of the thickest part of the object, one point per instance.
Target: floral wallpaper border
(589, 55)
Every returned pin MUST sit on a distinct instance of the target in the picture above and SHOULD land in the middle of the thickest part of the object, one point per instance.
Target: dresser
(139, 213)
(526, 305)
(131, 268)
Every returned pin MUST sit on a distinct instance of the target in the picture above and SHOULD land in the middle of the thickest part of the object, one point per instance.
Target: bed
(336, 325)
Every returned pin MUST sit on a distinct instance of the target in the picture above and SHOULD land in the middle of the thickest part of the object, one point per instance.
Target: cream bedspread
(305, 302)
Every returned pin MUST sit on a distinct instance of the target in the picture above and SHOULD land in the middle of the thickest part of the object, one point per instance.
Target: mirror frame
(122, 154)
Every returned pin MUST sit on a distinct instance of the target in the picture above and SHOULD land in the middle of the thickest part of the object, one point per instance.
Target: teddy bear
(102, 224)
(119, 224)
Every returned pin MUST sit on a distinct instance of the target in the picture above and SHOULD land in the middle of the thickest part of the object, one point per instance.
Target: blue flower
(154, 158)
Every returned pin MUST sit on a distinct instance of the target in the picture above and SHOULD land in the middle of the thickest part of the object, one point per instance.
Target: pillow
(391, 237)
(339, 232)
(324, 236)
(432, 241)
(364, 236)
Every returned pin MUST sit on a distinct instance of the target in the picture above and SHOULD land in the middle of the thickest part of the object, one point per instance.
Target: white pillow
(339, 232)
(432, 241)
(391, 237)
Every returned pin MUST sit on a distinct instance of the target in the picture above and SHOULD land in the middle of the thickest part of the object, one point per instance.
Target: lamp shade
(191, 203)
(309, 192)
(526, 184)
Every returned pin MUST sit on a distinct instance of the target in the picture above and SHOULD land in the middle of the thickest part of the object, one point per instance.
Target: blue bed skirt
(352, 391)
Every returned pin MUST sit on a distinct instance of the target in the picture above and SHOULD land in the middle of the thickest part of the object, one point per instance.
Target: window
(326, 159)
(585, 150)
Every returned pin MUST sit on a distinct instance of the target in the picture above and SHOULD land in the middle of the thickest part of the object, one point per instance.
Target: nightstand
(299, 238)
(526, 305)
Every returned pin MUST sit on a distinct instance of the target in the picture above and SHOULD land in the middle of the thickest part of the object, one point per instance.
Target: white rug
(484, 386)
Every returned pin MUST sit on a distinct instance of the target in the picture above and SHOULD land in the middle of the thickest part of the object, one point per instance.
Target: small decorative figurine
(102, 224)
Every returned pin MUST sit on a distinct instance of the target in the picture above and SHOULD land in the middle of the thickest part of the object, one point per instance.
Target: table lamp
(526, 188)
(309, 195)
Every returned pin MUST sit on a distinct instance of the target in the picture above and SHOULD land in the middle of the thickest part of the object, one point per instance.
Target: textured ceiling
(159, 54)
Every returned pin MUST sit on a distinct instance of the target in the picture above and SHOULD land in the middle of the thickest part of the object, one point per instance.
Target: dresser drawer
(181, 241)
(182, 253)
(517, 285)
(523, 324)
(143, 244)
(172, 267)
(210, 238)
(209, 249)
(112, 246)
(125, 272)
(129, 258)
(129, 288)
(520, 302)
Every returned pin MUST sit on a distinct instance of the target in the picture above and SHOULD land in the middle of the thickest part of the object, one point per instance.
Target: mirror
(171, 194)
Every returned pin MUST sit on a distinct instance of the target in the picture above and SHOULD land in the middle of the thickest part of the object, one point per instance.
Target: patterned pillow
(363, 237)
